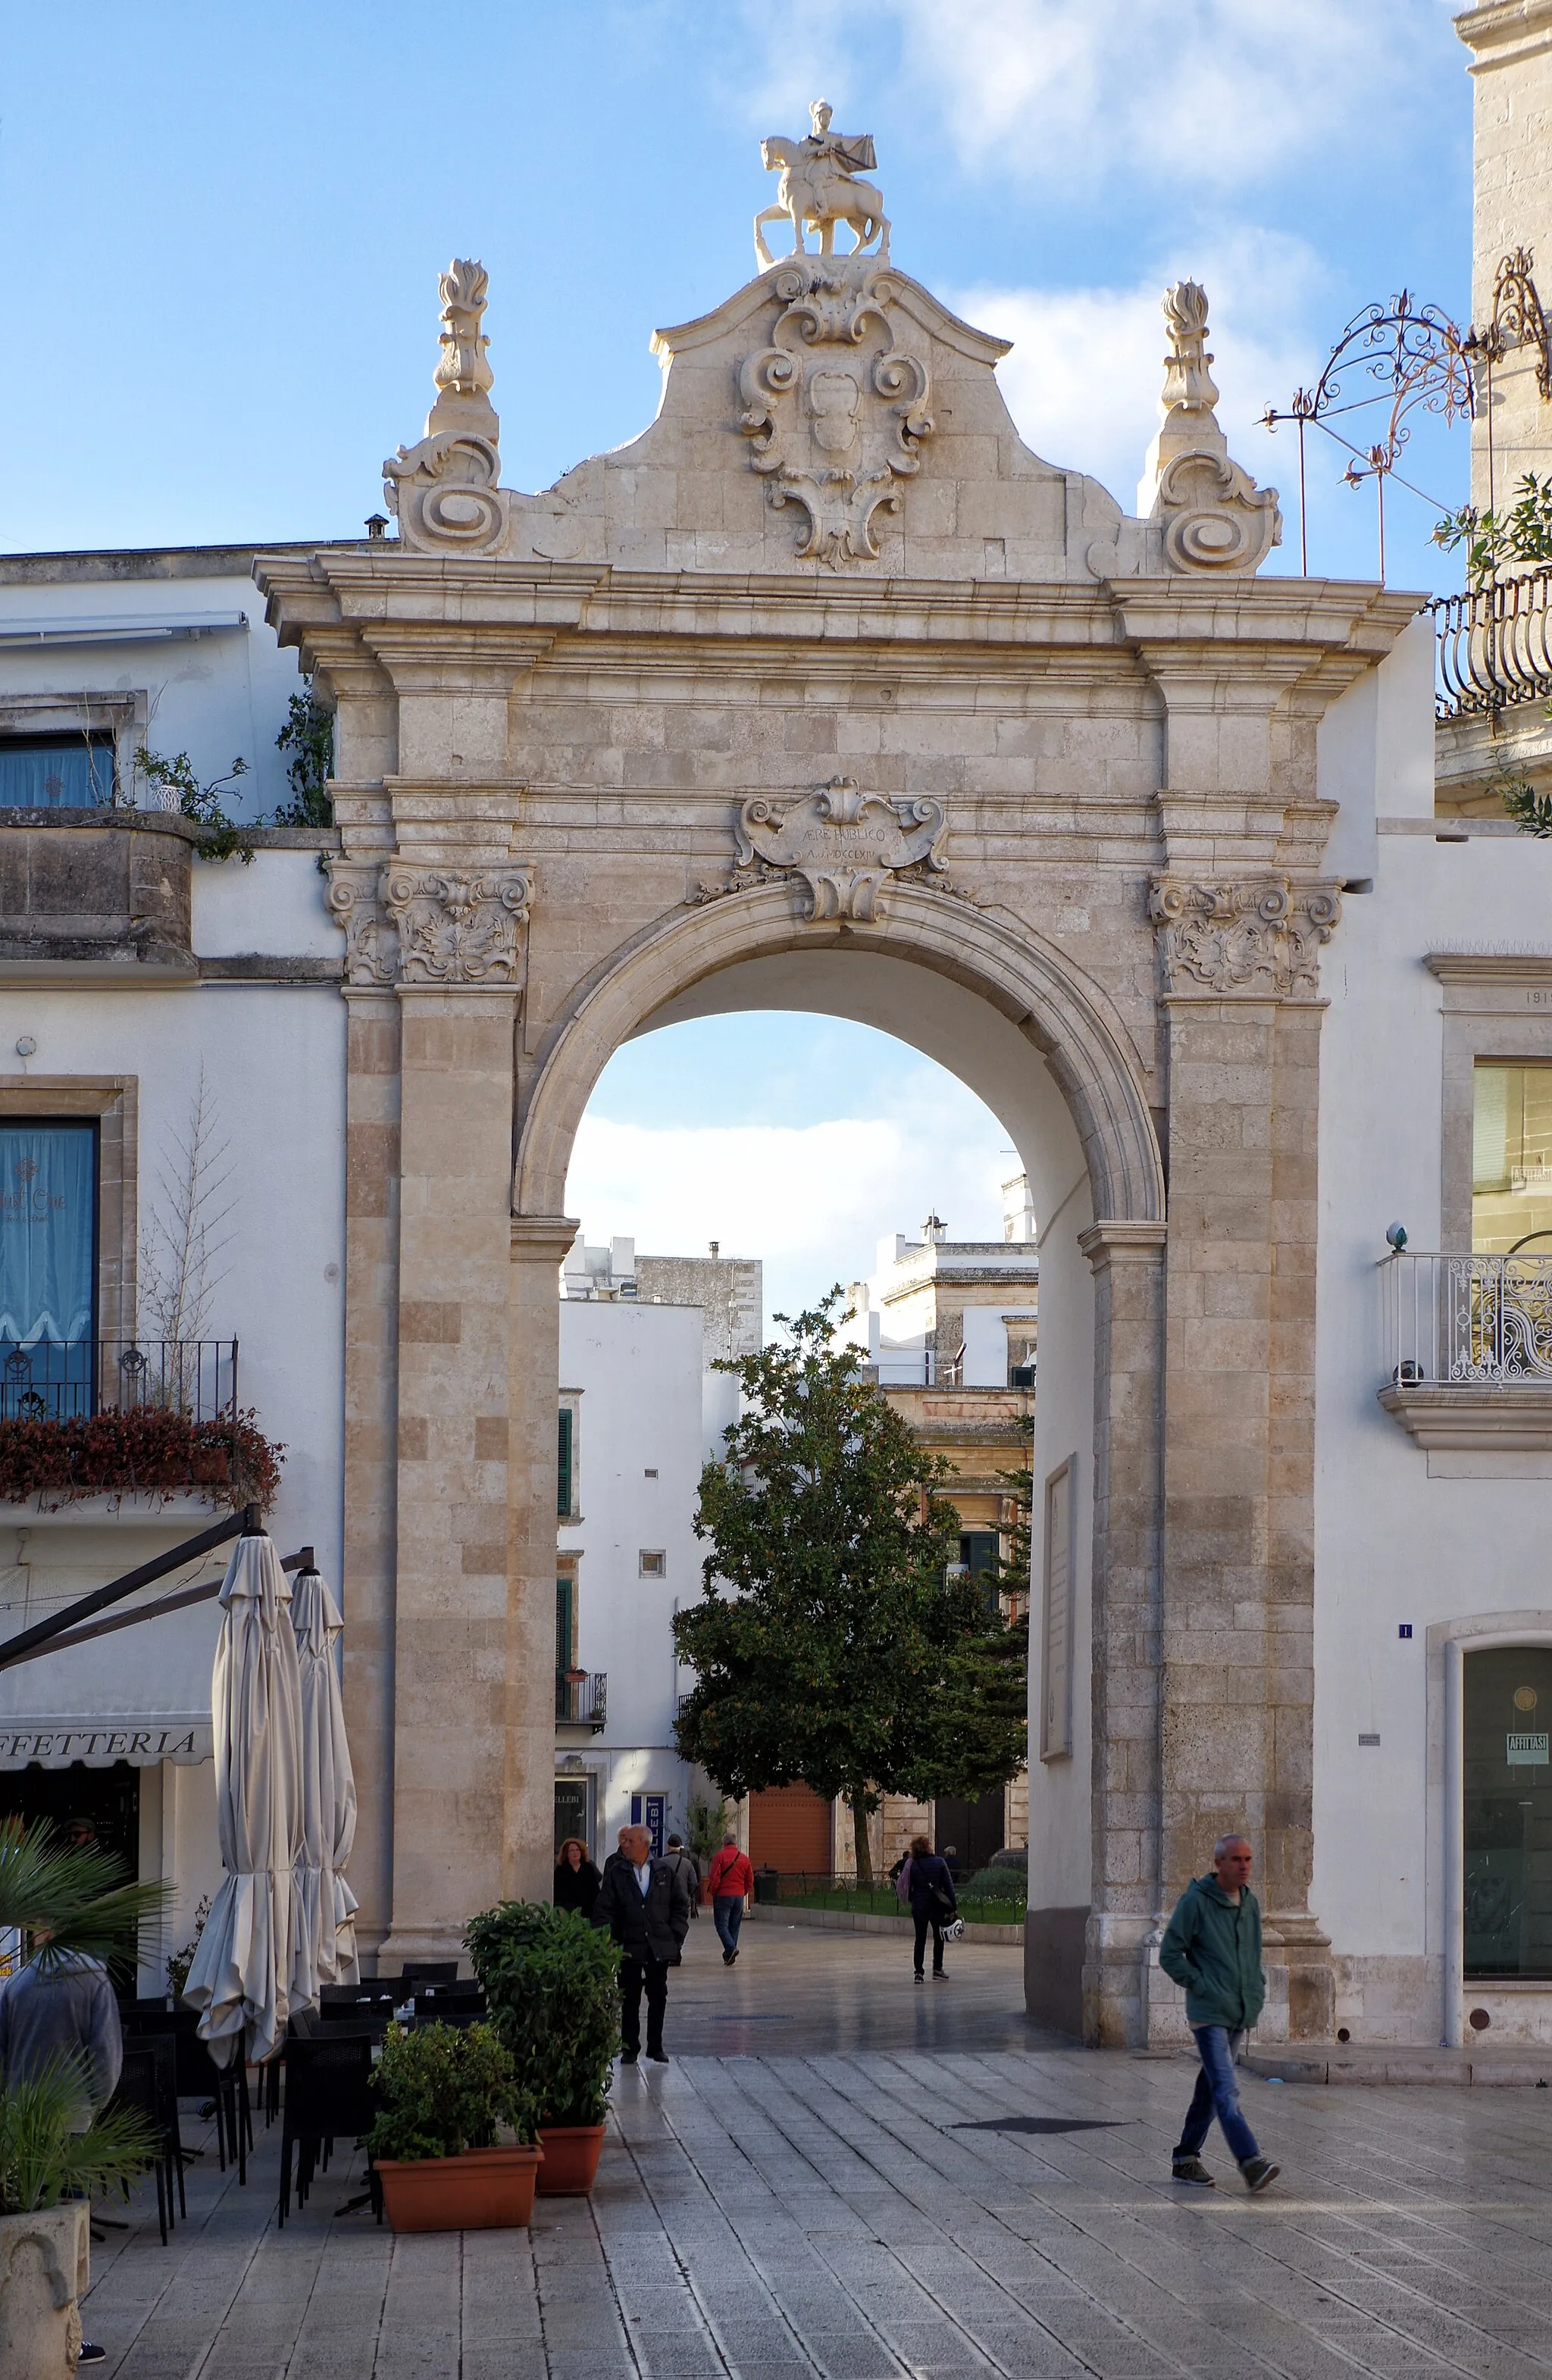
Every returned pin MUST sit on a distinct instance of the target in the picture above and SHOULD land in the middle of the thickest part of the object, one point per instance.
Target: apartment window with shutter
(564, 1499)
(1056, 1637)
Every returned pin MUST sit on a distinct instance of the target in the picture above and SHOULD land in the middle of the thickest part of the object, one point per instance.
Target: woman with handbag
(926, 1882)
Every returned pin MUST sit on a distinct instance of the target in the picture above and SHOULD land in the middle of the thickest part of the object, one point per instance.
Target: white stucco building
(641, 1411)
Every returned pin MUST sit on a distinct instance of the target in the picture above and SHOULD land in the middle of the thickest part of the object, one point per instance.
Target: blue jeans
(1216, 2093)
(727, 1912)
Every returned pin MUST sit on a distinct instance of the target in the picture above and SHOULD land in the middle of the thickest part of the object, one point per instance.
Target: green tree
(309, 736)
(833, 1643)
(1494, 539)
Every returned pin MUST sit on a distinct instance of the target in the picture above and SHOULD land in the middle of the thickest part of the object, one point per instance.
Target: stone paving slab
(772, 2217)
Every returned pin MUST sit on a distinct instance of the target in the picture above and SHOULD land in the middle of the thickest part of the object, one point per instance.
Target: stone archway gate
(828, 656)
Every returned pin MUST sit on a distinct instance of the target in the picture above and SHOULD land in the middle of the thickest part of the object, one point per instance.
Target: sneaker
(628, 2056)
(734, 1960)
(727, 1957)
(91, 2353)
(920, 1977)
(937, 1974)
(657, 2056)
(1191, 2169)
(1258, 2171)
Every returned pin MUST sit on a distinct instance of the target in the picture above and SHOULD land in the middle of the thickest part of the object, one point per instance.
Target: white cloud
(1205, 95)
(811, 1200)
(1084, 377)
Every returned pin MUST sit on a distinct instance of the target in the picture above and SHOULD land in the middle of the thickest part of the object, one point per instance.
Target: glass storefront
(1511, 1159)
(1507, 1722)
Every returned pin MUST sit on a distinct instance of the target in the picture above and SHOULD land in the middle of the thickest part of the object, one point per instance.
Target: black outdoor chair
(440, 2009)
(139, 2094)
(154, 2032)
(222, 2090)
(328, 2098)
(429, 1970)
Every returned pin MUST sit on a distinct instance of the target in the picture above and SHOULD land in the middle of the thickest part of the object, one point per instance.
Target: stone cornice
(543, 1239)
(1504, 31)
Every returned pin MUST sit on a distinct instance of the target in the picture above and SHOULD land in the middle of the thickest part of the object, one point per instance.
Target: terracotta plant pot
(484, 2190)
(571, 2159)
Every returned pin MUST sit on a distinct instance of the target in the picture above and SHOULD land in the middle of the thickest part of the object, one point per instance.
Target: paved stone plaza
(786, 2208)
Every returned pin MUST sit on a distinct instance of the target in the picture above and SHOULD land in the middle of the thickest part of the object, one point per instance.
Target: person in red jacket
(729, 1881)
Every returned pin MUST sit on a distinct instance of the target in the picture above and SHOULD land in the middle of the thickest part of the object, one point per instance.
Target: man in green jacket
(1212, 1944)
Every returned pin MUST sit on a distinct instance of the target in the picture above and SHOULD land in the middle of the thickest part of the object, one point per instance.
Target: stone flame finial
(445, 490)
(1214, 516)
(462, 374)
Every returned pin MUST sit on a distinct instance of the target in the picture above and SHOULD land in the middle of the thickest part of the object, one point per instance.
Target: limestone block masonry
(829, 672)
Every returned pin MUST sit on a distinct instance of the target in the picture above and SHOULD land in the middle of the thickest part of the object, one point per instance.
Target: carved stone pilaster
(1259, 939)
(430, 925)
(458, 929)
(372, 945)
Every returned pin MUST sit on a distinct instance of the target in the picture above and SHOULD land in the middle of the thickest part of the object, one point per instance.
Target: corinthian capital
(1260, 940)
(456, 929)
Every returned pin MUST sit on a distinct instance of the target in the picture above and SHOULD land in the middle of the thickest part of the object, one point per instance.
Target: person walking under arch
(927, 1885)
(730, 1881)
(1212, 1946)
(645, 1902)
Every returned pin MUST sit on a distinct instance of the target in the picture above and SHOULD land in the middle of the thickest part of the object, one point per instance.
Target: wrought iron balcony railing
(52, 1379)
(1467, 1321)
(1494, 646)
(582, 1698)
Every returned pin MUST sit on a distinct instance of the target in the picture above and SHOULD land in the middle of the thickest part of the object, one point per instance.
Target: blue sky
(220, 229)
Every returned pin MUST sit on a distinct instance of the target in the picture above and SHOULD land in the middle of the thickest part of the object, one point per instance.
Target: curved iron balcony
(1494, 646)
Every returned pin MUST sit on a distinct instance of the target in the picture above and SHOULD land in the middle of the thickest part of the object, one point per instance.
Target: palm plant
(70, 1897)
(44, 2160)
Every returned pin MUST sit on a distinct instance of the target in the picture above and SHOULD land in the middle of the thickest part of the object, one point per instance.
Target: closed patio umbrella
(325, 1950)
(241, 1976)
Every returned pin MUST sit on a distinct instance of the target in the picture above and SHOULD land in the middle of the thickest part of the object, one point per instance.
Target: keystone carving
(444, 489)
(430, 926)
(1263, 939)
(836, 407)
(841, 844)
(1214, 516)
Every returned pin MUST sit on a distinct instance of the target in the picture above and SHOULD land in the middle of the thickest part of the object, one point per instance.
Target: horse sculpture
(819, 186)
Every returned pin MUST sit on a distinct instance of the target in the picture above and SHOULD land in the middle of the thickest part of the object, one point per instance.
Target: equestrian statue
(819, 186)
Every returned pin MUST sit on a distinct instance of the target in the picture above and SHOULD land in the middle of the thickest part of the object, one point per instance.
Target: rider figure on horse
(819, 186)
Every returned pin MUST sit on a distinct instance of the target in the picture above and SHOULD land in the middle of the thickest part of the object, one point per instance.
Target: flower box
(484, 2190)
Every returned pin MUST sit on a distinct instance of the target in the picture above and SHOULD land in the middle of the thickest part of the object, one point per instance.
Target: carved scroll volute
(1259, 940)
(445, 490)
(1213, 515)
(842, 845)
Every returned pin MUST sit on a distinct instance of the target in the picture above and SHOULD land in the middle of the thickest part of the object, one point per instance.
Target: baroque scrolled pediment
(841, 844)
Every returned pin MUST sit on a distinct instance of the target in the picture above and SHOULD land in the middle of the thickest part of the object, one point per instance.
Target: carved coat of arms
(836, 407)
(841, 844)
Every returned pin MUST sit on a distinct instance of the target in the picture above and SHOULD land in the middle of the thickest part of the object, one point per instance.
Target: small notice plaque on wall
(1527, 1751)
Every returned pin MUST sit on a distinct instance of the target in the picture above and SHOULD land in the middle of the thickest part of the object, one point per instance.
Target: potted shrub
(66, 1900)
(446, 2091)
(552, 1981)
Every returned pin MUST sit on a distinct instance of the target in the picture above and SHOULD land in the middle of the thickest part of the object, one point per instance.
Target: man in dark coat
(1212, 1946)
(645, 1905)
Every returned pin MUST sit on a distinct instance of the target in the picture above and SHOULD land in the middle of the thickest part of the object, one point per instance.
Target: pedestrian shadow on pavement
(1040, 2124)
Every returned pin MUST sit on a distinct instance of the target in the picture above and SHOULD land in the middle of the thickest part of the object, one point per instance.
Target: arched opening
(1035, 1043)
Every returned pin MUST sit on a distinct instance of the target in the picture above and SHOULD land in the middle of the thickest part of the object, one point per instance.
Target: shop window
(57, 773)
(1507, 1722)
(1512, 1159)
